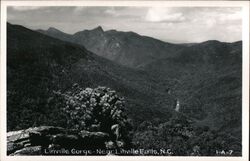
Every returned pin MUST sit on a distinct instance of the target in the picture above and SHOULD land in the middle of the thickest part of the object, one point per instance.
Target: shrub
(99, 109)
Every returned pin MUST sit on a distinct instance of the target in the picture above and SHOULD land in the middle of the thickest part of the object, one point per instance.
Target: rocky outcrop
(49, 140)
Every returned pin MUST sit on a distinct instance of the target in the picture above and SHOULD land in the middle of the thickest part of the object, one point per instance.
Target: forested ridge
(58, 83)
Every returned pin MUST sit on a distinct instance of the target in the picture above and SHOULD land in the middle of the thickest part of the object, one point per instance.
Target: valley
(153, 76)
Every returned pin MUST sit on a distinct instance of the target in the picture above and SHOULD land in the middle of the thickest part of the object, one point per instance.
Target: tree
(99, 109)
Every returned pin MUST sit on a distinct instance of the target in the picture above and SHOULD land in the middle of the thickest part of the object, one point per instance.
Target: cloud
(134, 13)
(234, 16)
(78, 9)
(181, 24)
(25, 8)
(160, 14)
(210, 23)
(111, 11)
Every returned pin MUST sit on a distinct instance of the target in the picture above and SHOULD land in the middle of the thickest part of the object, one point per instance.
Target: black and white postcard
(124, 80)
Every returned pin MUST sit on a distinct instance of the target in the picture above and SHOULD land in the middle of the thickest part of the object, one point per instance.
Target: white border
(245, 77)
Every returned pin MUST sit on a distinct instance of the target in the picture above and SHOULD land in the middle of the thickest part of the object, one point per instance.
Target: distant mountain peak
(98, 28)
(211, 42)
(52, 29)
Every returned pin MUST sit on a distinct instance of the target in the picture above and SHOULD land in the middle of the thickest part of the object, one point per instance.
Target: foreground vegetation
(42, 71)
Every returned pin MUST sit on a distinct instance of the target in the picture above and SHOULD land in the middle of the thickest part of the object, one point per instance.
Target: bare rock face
(39, 140)
(67, 140)
(30, 141)
(12, 147)
(32, 150)
(94, 135)
(95, 139)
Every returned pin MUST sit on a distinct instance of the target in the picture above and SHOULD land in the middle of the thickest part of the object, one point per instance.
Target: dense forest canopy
(187, 98)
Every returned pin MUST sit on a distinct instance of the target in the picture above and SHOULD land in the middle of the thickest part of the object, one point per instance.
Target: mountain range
(151, 74)
(37, 65)
(125, 48)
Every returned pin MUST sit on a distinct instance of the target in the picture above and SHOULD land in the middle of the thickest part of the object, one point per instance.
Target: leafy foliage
(184, 139)
(95, 109)
(205, 77)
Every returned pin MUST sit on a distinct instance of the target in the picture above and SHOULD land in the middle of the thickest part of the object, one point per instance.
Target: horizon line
(168, 41)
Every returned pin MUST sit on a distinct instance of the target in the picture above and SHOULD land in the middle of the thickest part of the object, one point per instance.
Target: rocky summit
(50, 140)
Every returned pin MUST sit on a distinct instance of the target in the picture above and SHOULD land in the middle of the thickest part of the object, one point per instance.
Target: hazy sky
(178, 24)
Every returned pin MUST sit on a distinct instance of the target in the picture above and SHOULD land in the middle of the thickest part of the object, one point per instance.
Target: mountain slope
(37, 65)
(125, 48)
(56, 33)
(206, 78)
